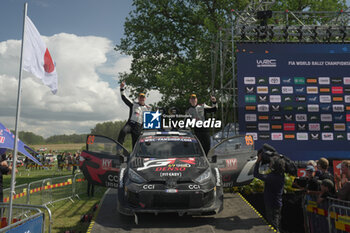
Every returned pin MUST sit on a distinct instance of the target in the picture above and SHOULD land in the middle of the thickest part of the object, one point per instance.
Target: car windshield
(168, 147)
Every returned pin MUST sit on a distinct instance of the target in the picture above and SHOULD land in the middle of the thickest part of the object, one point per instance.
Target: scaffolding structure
(256, 23)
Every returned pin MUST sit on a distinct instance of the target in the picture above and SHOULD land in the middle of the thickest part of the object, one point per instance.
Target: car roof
(167, 133)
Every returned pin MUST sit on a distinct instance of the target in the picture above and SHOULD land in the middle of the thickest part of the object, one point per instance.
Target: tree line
(109, 129)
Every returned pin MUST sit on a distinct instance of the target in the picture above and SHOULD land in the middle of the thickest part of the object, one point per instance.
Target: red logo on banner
(2, 140)
(337, 90)
(301, 172)
(289, 126)
(347, 117)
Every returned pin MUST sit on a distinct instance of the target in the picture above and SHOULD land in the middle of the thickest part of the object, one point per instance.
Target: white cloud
(83, 98)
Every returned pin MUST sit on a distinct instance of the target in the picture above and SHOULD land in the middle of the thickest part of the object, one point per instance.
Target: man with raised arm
(134, 123)
(198, 112)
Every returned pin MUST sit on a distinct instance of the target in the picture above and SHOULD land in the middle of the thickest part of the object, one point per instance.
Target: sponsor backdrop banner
(296, 97)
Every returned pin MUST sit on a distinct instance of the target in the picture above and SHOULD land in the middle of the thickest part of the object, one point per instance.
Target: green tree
(31, 138)
(108, 129)
(171, 43)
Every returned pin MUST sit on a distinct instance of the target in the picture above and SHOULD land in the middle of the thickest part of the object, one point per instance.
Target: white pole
(14, 159)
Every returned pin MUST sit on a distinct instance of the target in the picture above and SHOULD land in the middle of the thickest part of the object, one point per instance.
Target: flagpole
(14, 159)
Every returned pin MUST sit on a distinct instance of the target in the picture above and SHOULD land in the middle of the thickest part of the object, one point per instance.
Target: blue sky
(81, 36)
(103, 18)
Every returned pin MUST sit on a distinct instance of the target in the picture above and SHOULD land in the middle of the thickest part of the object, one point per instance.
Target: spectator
(274, 185)
(4, 170)
(344, 192)
(69, 161)
(42, 160)
(75, 161)
(308, 183)
(312, 163)
(322, 170)
(59, 161)
(327, 190)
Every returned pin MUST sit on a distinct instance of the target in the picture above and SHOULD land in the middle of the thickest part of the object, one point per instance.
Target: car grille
(171, 201)
(161, 200)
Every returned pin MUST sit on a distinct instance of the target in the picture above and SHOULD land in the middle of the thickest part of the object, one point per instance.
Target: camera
(268, 152)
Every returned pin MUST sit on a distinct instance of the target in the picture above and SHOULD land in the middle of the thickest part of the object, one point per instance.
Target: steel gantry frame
(256, 23)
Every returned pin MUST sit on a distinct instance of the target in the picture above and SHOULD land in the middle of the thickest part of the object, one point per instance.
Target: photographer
(274, 185)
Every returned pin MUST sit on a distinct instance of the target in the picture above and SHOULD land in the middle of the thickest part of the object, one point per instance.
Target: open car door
(235, 158)
(101, 161)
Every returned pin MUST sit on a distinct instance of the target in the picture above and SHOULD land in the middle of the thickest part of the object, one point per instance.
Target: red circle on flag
(48, 63)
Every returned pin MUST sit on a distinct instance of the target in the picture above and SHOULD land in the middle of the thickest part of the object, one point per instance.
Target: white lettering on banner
(324, 80)
(347, 99)
(275, 98)
(314, 127)
(250, 117)
(302, 136)
(254, 135)
(346, 80)
(326, 117)
(312, 90)
(327, 136)
(300, 117)
(263, 107)
(277, 136)
(274, 80)
(325, 99)
(287, 90)
(2, 140)
(313, 108)
(249, 80)
(338, 108)
(349, 136)
(266, 63)
(264, 126)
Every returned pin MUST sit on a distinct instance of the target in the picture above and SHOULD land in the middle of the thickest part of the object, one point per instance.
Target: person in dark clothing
(309, 182)
(274, 186)
(90, 189)
(134, 123)
(198, 112)
(322, 170)
(4, 170)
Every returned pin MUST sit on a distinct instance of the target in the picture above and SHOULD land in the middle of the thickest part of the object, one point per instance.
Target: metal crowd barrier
(39, 194)
(48, 191)
(330, 216)
(23, 214)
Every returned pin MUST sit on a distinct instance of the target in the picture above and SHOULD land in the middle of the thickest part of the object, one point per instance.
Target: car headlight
(133, 176)
(204, 176)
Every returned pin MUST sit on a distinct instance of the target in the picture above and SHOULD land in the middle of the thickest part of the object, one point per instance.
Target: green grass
(24, 177)
(66, 215)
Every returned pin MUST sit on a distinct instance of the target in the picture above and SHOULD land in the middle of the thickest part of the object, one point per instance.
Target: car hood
(154, 169)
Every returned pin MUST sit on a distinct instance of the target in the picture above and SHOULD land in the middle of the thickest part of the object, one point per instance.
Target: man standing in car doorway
(134, 123)
(198, 111)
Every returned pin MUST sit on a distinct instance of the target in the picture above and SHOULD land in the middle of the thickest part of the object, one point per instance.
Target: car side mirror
(214, 159)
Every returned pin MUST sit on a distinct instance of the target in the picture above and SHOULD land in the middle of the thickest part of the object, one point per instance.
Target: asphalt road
(237, 217)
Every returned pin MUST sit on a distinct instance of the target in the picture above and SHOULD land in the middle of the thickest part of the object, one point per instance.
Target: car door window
(104, 145)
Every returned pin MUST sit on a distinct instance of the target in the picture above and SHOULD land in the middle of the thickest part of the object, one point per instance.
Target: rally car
(166, 172)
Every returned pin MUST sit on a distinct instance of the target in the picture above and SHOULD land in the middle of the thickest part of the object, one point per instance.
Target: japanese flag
(36, 57)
